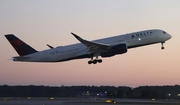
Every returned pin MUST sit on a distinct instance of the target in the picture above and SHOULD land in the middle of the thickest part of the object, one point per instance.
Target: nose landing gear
(162, 47)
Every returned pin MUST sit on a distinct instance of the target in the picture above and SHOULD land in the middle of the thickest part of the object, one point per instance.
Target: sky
(41, 22)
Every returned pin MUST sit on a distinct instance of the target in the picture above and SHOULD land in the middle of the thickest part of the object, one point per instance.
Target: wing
(93, 46)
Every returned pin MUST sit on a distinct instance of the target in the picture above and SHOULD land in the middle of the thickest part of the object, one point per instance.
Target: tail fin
(20, 47)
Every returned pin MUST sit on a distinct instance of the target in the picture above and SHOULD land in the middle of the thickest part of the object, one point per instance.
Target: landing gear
(95, 61)
(162, 47)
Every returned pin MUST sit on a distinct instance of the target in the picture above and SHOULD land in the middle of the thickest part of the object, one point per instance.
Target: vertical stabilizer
(20, 47)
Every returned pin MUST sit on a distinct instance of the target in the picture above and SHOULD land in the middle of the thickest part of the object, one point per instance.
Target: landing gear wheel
(89, 62)
(162, 48)
(94, 61)
(99, 61)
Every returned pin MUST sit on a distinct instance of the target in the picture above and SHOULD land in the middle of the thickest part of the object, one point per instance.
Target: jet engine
(117, 49)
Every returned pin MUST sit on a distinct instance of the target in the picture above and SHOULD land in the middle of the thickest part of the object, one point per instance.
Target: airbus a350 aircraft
(105, 47)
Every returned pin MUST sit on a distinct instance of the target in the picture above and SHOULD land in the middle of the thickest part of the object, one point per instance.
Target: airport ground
(84, 101)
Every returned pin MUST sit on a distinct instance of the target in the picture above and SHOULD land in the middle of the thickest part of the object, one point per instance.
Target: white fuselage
(78, 51)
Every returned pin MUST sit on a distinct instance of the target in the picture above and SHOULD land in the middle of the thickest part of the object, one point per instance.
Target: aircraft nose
(170, 36)
(167, 36)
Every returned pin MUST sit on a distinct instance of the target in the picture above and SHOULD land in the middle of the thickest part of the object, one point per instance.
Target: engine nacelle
(118, 49)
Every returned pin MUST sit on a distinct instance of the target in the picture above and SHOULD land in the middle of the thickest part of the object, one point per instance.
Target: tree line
(143, 92)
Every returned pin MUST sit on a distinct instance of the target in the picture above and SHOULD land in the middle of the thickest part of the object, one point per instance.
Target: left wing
(93, 46)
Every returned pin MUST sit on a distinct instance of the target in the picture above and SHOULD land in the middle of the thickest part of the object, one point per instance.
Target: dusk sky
(41, 22)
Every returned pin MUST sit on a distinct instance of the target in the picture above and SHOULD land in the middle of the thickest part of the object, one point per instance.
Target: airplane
(106, 47)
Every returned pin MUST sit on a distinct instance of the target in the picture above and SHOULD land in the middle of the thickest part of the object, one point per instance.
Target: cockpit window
(164, 32)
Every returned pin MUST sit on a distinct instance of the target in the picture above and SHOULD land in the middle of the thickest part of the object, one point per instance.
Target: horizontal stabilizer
(21, 57)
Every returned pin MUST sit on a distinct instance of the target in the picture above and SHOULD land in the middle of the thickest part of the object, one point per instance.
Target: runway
(83, 101)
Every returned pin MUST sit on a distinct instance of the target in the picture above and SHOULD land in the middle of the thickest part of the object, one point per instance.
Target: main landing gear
(95, 60)
(162, 47)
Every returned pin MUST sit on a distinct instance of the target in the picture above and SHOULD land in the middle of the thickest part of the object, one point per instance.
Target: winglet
(76, 36)
(49, 46)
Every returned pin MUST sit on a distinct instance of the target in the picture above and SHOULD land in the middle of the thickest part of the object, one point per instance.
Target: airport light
(110, 101)
(5, 99)
(153, 99)
(51, 98)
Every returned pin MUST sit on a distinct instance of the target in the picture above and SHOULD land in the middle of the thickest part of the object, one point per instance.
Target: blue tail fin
(20, 47)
